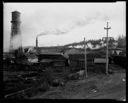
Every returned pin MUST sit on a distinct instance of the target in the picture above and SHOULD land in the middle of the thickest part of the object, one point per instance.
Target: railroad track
(18, 92)
(23, 91)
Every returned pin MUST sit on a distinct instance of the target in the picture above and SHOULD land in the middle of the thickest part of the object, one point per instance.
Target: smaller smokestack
(36, 42)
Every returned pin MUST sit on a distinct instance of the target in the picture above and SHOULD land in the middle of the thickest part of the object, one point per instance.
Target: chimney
(37, 42)
(15, 40)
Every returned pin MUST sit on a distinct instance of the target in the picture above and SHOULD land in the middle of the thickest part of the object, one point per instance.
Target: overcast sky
(63, 23)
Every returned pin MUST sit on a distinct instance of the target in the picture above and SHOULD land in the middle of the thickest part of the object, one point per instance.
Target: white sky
(63, 23)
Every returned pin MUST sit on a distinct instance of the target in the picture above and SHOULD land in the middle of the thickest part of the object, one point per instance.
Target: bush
(120, 60)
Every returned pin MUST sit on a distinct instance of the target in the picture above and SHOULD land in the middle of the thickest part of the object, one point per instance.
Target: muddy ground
(96, 86)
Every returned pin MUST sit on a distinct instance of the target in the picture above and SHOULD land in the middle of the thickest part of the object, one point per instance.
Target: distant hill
(90, 45)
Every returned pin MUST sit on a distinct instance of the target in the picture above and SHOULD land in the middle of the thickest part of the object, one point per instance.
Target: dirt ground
(96, 86)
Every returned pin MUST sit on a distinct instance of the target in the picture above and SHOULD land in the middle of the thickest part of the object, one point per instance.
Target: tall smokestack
(15, 40)
(36, 42)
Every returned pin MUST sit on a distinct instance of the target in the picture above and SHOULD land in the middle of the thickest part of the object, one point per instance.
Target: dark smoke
(79, 23)
(54, 32)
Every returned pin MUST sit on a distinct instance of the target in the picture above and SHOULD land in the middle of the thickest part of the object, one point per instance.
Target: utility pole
(85, 58)
(107, 28)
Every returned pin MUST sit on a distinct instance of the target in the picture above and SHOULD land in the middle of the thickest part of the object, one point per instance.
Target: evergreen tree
(121, 41)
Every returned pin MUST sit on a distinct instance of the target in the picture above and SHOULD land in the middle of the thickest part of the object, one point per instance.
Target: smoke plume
(81, 22)
(16, 41)
(54, 32)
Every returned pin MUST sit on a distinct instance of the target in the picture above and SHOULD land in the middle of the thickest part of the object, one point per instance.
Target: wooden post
(107, 28)
(85, 58)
